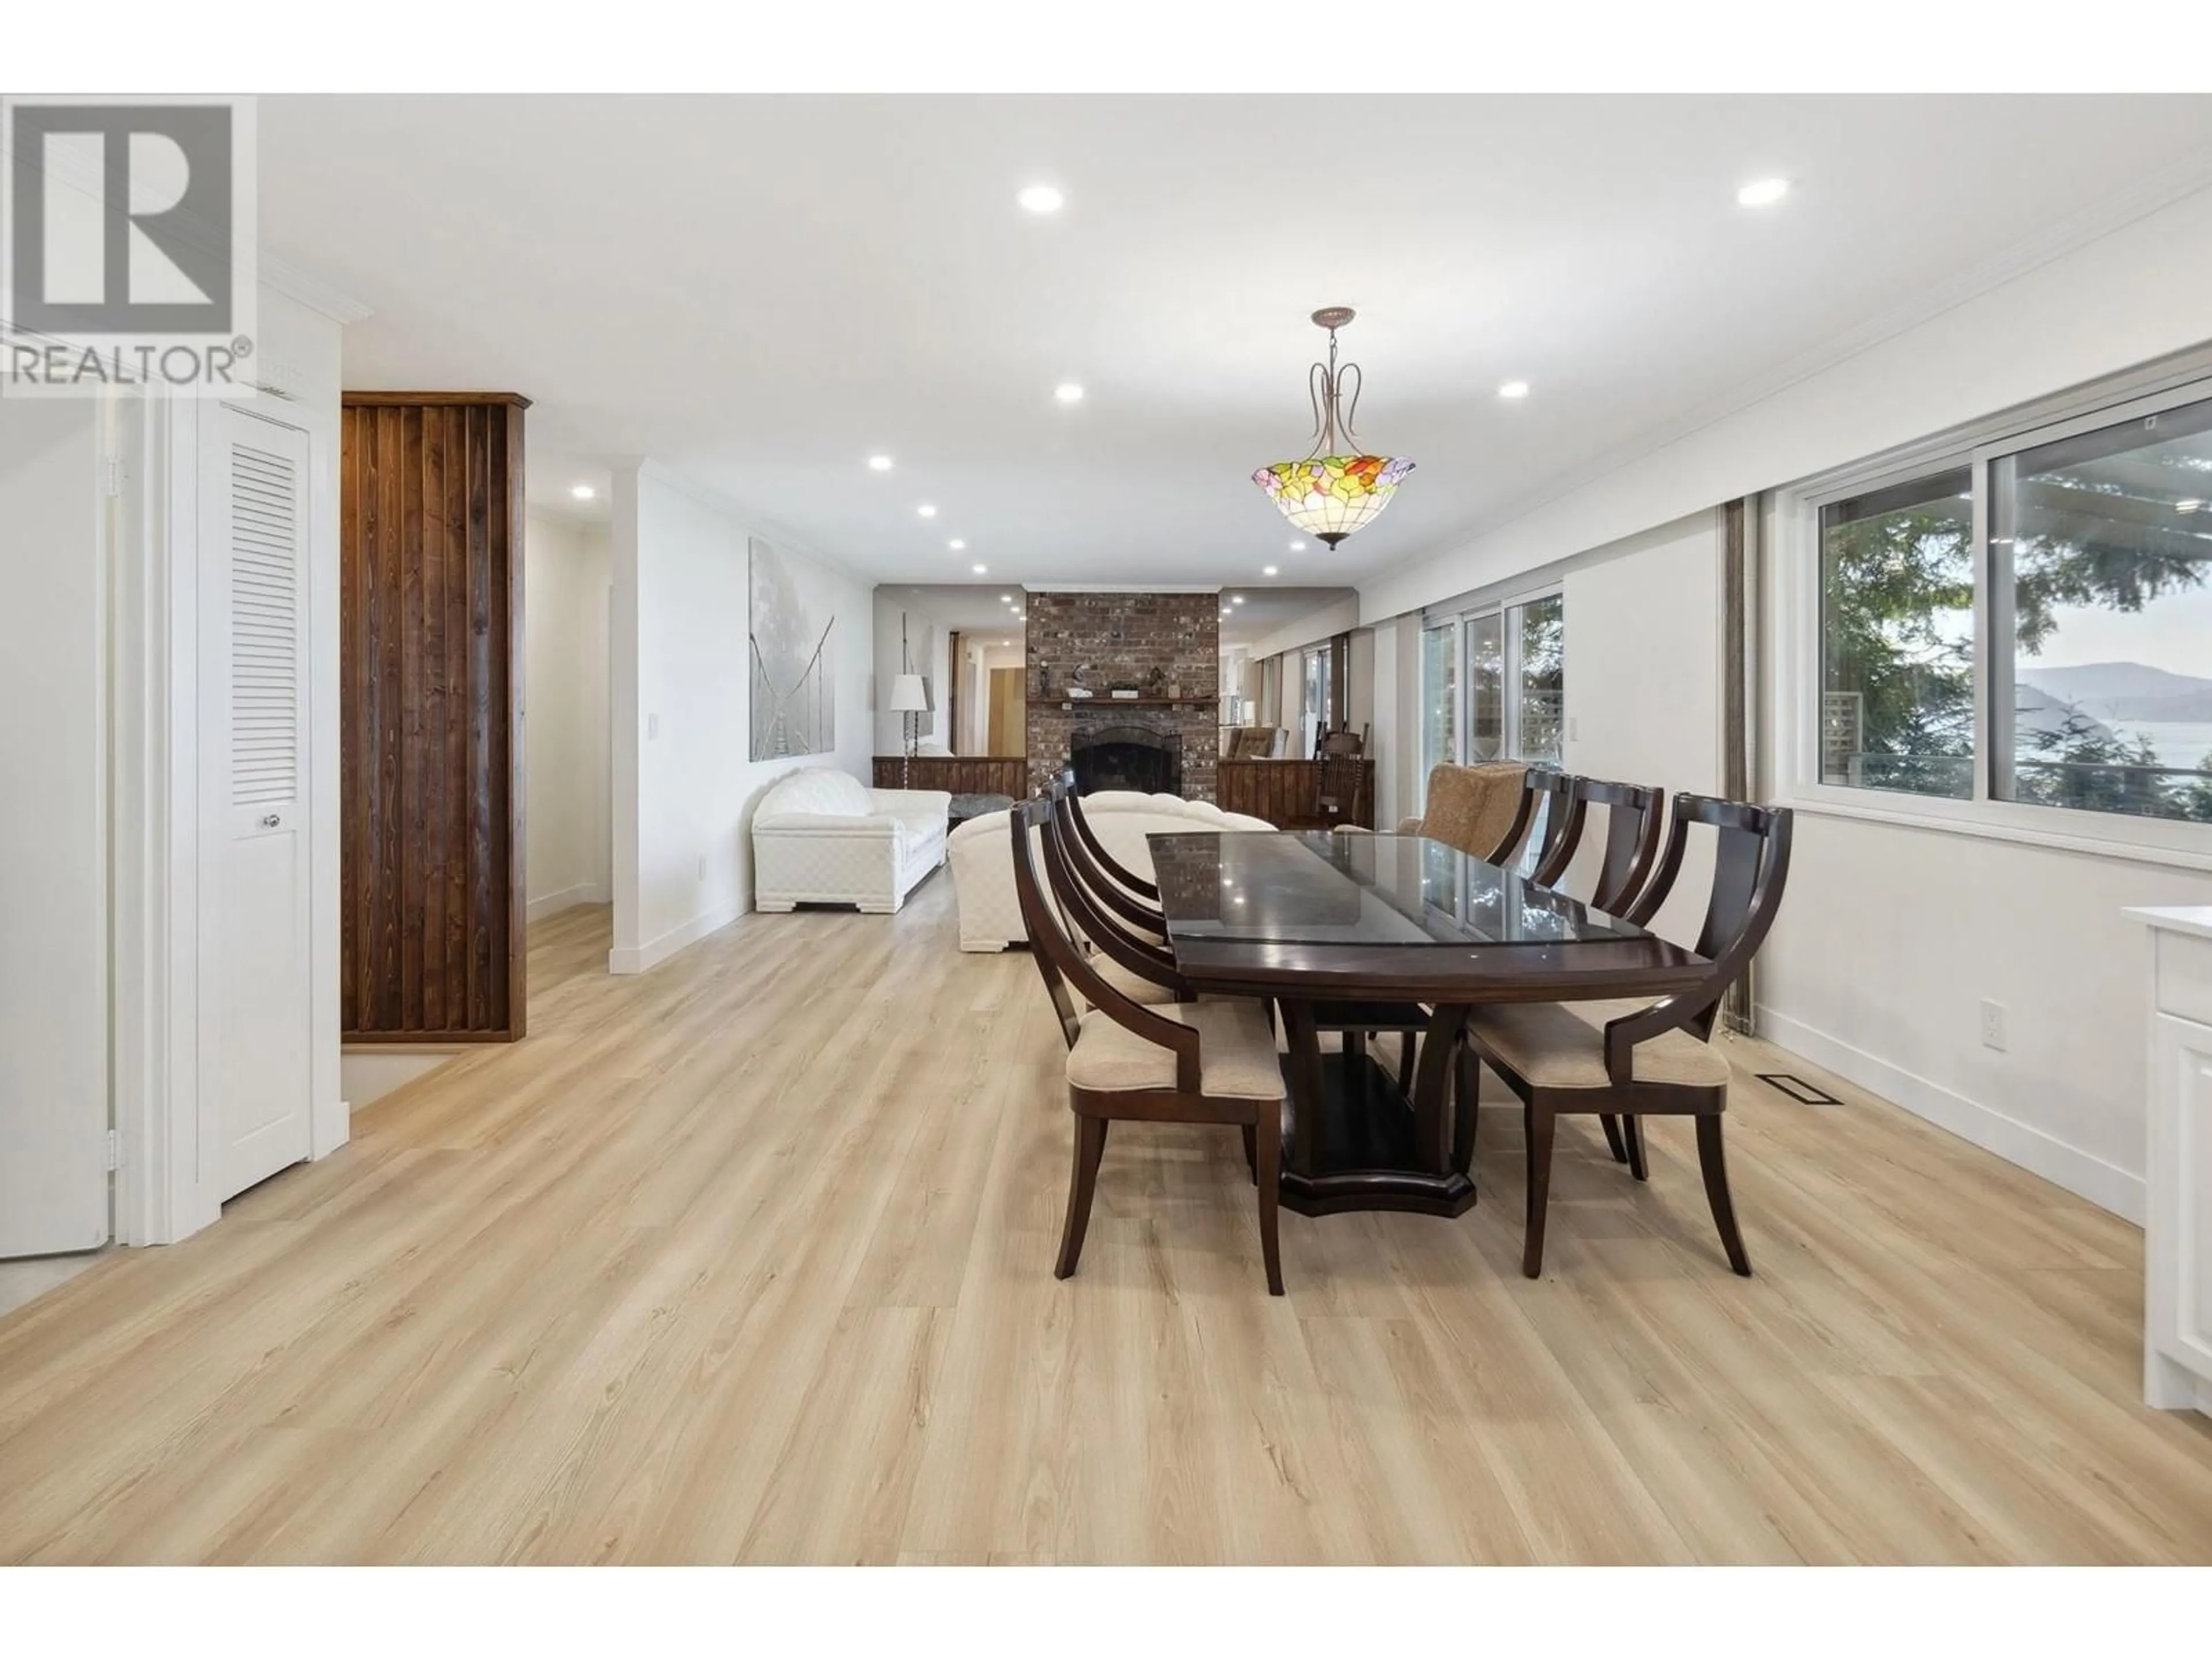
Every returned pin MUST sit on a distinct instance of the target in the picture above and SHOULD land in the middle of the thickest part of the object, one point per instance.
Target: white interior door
(254, 894)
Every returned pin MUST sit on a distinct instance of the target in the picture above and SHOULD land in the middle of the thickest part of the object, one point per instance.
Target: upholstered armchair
(1471, 807)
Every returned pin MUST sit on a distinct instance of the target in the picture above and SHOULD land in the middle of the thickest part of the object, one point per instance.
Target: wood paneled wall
(430, 647)
(1286, 793)
(959, 774)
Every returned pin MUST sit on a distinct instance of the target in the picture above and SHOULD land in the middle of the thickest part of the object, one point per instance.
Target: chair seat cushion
(1235, 1052)
(1132, 986)
(1562, 1046)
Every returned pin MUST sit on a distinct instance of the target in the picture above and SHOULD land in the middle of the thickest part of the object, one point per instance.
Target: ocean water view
(2178, 743)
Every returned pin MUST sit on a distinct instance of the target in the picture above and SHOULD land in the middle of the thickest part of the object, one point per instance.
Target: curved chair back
(1543, 812)
(1080, 903)
(1751, 865)
(1632, 817)
(1063, 789)
(1134, 912)
(1061, 965)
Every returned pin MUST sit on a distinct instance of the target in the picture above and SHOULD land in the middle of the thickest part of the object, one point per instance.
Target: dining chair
(1130, 896)
(1539, 820)
(1340, 790)
(1559, 1058)
(1633, 817)
(1185, 1062)
(1137, 965)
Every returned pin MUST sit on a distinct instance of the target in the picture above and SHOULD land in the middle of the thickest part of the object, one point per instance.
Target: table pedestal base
(1361, 1151)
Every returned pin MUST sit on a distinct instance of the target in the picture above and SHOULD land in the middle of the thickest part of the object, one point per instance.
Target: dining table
(1342, 930)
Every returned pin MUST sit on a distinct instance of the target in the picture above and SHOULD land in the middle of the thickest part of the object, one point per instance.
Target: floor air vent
(1798, 1090)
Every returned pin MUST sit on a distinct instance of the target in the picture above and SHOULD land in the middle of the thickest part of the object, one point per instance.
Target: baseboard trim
(551, 905)
(2083, 1174)
(636, 959)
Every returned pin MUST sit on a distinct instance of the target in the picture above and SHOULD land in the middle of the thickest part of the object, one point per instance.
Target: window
(1315, 708)
(1540, 657)
(1897, 638)
(2100, 545)
(1439, 695)
(2030, 624)
(1486, 667)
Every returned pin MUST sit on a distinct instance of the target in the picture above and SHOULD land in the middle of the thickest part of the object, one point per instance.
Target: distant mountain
(2124, 690)
(2041, 712)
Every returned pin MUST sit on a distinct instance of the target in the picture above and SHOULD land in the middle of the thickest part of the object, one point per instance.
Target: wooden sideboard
(960, 775)
(1287, 792)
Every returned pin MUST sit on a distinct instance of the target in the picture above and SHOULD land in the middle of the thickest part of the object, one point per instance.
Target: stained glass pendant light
(1337, 489)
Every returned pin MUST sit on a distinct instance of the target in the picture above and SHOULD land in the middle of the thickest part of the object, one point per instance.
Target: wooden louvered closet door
(431, 665)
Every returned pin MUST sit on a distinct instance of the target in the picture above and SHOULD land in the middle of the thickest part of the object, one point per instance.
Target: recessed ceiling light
(582, 492)
(1224, 610)
(957, 545)
(1017, 616)
(1069, 393)
(1514, 389)
(1006, 598)
(1042, 198)
(1267, 570)
(1236, 599)
(1298, 547)
(1762, 192)
(1005, 642)
(927, 510)
(981, 569)
(879, 463)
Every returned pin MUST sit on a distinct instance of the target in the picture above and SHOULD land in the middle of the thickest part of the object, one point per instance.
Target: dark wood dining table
(1333, 929)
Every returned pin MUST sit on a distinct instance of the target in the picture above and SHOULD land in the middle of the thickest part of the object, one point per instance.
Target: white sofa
(983, 859)
(823, 837)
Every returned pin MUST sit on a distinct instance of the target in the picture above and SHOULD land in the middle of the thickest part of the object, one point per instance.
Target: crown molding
(2152, 193)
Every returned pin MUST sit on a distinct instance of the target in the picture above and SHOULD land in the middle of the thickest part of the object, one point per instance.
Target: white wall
(1892, 931)
(53, 893)
(1644, 686)
(565, 719)
(929, 647)
(684, 789)
(1890, 938)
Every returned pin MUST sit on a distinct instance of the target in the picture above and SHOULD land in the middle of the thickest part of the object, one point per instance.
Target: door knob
(270, 821)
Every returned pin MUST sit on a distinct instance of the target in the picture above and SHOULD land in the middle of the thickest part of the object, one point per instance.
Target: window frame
(1795, 677)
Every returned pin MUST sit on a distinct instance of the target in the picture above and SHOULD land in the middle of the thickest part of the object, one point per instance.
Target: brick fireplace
(1167, 648)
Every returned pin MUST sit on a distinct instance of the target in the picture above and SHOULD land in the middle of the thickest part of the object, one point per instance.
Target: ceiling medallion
(1336, 488)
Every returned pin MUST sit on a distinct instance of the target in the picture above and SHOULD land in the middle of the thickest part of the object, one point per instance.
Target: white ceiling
(762, 292)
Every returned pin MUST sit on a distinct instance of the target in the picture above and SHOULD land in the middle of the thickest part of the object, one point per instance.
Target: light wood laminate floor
(749, 1259)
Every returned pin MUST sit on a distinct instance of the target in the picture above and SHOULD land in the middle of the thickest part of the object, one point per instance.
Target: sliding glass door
(1493, 684)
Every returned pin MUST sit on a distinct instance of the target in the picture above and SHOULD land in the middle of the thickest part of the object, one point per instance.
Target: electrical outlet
(1993, 1025)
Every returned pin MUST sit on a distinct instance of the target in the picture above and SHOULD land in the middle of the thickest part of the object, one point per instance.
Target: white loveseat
(821, 836)
(983, 858)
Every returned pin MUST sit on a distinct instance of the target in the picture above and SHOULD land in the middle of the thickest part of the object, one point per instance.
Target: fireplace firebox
(1127, 757)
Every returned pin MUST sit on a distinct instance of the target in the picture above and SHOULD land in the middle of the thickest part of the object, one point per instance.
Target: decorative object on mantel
(1076, 691)
(1123, 695)
(1336, 488)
